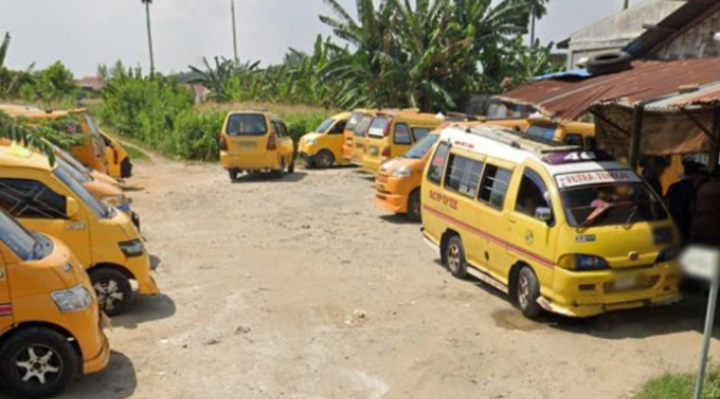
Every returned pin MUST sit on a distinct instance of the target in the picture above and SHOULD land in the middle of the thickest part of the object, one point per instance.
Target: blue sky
(85, 33)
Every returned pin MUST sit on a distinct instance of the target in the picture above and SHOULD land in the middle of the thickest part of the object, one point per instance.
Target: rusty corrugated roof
(647, 81)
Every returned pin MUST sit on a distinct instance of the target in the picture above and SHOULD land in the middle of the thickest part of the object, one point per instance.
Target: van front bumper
(101, 360)
(306, 157)
(585, 294)
(140, 269)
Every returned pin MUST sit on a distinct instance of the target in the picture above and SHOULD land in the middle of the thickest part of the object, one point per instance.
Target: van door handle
(512, 220)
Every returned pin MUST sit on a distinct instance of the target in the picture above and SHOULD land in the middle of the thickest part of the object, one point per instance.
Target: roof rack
(511, 138)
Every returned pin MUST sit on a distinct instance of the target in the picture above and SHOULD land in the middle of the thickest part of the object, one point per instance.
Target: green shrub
(196, 136)
(674, 386)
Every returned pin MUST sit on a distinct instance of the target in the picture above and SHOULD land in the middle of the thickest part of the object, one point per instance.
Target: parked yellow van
(391, 134)
(48, 199)
(570, 133)
(50, 328)
(324, 147)
(119, 164)
(397, 183)
(91, 153)
(92, 173)
(254, 141)
(559, 228)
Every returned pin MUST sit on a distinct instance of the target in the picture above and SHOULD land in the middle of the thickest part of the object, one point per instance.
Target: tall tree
(149, 35)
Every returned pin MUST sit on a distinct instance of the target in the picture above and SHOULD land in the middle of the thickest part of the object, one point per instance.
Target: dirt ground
(301, 289)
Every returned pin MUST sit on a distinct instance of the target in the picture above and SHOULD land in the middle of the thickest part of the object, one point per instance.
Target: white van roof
(506, 145)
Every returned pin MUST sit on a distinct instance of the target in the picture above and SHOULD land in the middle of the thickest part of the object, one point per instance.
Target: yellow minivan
(324, 147)
(255, 141)
(571, 133)
(91, 153)
(119, 164)
(559, 228)
(48, 199)
(391, 135)
(397, 183)
(50, 328)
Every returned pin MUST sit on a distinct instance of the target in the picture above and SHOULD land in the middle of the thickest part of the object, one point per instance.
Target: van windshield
(16, 237)
(246, 125)
(377, 128)
(363, 126)
(611, 204)
(62, 154)
(420, 149)
(76, 174)
(325, 126)
(99, 209)
(354, 120)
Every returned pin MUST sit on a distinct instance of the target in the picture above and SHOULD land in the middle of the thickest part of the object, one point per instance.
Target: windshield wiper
(595, 215)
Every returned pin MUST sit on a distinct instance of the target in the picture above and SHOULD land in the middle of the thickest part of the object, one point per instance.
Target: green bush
(196, 136)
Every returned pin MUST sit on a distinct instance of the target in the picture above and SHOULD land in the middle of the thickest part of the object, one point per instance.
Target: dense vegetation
(430, 54)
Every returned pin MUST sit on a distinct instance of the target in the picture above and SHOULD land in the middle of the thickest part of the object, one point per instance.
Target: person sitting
(681, 196)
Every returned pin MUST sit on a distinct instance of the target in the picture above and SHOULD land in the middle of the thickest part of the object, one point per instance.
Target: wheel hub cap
(108, 294)
(38, 362)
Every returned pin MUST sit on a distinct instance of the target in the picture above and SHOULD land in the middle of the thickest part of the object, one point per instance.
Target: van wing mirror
(72, 209)
(544, 214)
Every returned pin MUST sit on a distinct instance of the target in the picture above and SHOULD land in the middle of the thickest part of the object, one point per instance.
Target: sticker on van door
(75, 226)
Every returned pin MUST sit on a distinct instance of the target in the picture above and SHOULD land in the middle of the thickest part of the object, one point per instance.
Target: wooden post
(715, 144)
(638, 115)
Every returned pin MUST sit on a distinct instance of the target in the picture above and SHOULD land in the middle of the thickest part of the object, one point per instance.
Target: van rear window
(377, 128)
(246, 125)
(354, 120)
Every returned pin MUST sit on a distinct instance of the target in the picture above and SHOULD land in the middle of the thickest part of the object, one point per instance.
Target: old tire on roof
(610, 62)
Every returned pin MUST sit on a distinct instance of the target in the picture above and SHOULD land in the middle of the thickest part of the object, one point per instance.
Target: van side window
(280, 129)
(339, 128)
(532, 194)
(463, 175)
(494, 186)
(420, 133)
(437, 164)
(402, 134)
(31, 199)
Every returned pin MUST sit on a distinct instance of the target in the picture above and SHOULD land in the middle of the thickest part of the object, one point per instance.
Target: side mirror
(544, 214)
(72, 209)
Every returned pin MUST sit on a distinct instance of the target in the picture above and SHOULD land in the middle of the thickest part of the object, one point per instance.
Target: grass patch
(136, 154)
(681, 385)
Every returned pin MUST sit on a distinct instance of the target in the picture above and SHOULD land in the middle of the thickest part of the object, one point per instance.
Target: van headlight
(117, 201)
(73, 300)
(311, 141)
(132, 248)
(402, 171)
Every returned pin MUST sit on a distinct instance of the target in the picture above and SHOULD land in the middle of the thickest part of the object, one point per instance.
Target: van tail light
(272, 142)
(386, 152)
(223, 143)
(386, 131)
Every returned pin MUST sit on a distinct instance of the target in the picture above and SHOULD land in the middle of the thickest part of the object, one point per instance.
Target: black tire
(113, 290)
(610, 62)
(291, 168)
(324, 159)
(280, 173)
(233, 173)
(33, 349)
(455, 257)
(414, 207)
(527, 292)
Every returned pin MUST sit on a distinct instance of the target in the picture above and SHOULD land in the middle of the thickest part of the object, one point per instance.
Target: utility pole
(626, 4)
(235, 48)
(149, 33)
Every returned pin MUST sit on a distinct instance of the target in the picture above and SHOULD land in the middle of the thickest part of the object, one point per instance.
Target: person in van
(681, 196)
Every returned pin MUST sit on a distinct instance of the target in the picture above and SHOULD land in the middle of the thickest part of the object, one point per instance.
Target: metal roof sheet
(647, 81)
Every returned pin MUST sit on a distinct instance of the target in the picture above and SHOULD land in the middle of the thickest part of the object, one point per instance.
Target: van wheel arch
(26, 325)
(443, 243)
(533, 309)
(109, 271)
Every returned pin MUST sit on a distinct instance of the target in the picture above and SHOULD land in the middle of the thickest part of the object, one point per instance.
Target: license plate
(373, 151)
(246, 144)
(359, 146)
(625, 283)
